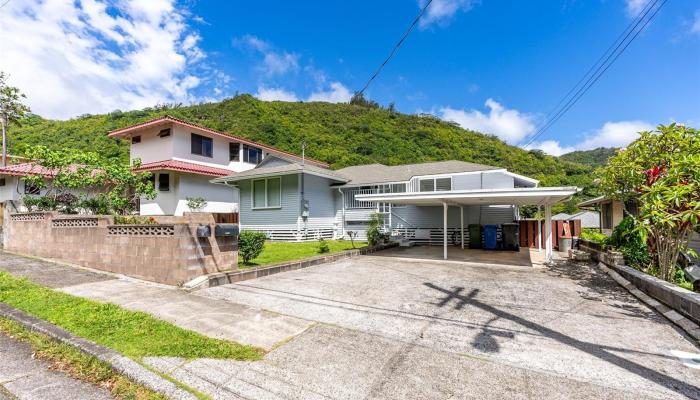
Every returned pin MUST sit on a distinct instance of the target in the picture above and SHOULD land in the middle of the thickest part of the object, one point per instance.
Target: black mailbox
(226, 230)
(203, 231)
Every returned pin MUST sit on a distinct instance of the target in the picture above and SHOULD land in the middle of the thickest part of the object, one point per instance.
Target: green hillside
(339, 134)
(595, 158)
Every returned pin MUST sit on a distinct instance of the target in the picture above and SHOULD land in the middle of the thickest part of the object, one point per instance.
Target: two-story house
(184, 157)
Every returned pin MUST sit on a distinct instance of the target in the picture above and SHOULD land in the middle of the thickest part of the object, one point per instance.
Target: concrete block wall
(169, 252)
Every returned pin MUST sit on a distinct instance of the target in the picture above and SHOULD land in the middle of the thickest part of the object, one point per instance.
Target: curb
(122, 364)
(223, 278)
(688, 326)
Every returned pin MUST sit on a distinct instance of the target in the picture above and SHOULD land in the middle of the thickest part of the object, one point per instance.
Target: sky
(495, 66)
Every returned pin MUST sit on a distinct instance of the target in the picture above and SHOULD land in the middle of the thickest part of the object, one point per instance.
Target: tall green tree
(12, 110)
(660, 171)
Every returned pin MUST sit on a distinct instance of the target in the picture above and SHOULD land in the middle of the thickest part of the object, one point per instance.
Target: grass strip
(277, 252)
(78, 365)
(134, 334)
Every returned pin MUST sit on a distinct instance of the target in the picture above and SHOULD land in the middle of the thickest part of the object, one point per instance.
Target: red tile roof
(25, 169)
(183, 166)
(167, 119)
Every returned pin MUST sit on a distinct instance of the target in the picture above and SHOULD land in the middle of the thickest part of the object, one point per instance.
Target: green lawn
(277, 252)
(134, 334)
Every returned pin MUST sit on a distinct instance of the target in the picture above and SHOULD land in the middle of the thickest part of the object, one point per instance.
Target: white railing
(352, 203)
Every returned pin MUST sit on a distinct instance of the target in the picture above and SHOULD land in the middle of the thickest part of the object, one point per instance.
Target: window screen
(273, 192)
(427, 185)
(259, 194)
(443, 184)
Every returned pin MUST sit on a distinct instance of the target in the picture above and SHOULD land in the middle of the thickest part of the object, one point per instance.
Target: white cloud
(611, 134)
(73, 58)
(634, 7)
(695, 28)
(552, 147)
(442, 12)
(272, 94)
(510, 125)
(337, 93)
(274, 62)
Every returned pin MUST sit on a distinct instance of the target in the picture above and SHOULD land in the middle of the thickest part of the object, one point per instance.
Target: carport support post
(461, 224)
(444, 230)
(548, 232)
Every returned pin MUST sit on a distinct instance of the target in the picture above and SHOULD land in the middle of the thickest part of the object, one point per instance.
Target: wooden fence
(529, 235)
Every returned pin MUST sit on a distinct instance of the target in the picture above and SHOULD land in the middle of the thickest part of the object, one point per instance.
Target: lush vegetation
(374, 234)
(78, 365)
(339, 134)
(661, 172)
(106, 185)
(134, 334)
(595, 158)
(277, 252)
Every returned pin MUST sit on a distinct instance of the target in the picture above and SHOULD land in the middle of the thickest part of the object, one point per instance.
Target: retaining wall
(683, 301)
(167, 252)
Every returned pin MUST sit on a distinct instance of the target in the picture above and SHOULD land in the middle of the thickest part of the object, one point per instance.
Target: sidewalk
(207, 316)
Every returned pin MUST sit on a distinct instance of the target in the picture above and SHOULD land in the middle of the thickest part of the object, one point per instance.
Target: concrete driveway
(385, 328)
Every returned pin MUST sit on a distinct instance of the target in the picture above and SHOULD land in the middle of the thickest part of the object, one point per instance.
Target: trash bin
(564, 244)
(474, 236)
(510, 236)
(490, 237)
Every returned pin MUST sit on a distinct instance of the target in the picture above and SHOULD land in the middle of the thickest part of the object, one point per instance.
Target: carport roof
(513, 196)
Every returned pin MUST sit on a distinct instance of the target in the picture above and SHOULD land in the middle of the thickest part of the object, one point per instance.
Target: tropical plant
(661, 171)
(196, 204)
(631, 241)
(593, 235)
(250, 245)
(110, 181)
(12, 110)
(374, 234)
(352, 235)
(323, 246)
(134, 220)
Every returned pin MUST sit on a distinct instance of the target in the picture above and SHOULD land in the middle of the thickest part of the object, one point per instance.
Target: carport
(538, 196)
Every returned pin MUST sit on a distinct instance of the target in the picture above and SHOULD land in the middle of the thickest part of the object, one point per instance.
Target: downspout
(342, 222)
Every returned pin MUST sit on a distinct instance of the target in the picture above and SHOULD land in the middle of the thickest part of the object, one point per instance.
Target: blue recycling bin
(490, 237)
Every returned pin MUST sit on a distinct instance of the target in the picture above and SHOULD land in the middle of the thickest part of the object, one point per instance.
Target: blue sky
(494, 66)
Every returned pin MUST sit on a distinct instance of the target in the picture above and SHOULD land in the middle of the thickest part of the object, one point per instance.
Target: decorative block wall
(168, 252)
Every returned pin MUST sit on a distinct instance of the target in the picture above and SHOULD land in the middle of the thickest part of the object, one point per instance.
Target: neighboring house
(184, 157)
(611, 212)
(292, 201)
(589, 219)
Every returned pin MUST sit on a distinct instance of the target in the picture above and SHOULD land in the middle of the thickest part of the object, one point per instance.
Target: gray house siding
(319, 194)
(284, 218)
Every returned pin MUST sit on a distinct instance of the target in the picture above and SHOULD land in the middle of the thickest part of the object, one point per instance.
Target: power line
(621, 45)
(4, 4)
(396, 47)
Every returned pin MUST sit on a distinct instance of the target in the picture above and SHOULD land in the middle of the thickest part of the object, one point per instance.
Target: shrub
(323, 246)
(196, 204)
(631, 242)
(250, 245)
(592, 235)
(374, 235)
(134, 220)
(96, 205)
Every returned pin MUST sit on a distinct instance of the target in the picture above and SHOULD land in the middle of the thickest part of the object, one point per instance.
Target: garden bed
(280, 252)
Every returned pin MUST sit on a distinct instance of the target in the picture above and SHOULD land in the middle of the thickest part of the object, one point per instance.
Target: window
(435, 184)
(252, 154)
(398, 188)
(2, 181)
(606, 212)
(234, 152)
(427, 185)
(164, 182)
(30, 188)
(164, 132)
(202, 145)
(135, 139)
(267, 193)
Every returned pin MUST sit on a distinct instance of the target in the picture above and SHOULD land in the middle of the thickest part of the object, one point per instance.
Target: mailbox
(226, 230)
(203, 231)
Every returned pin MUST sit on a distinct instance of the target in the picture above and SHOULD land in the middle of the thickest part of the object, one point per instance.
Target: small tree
(374, 235)
(12, 110)
(250, 245)
(661, 171)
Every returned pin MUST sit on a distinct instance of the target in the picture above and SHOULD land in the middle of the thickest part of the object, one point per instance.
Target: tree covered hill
(595, 158)
(339, 134)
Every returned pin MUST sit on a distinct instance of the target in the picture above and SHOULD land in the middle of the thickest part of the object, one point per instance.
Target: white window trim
(434, 179)
(252, 194)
